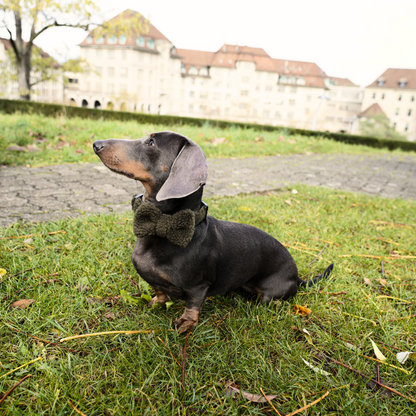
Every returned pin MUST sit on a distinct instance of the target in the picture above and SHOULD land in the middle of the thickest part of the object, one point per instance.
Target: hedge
(53, 110)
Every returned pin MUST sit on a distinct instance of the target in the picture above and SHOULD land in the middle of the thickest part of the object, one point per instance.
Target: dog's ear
(188, 173)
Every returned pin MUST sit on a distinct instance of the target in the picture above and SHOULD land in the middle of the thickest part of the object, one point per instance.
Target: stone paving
(52, 192)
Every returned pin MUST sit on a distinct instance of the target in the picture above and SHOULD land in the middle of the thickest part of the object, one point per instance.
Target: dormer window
(203, 71)
(173, 50)
(402, 82)
(224, 49)
(183, 69)
(193, 70)
(300, 81)
(292, 80)
(122, 40)
(140, 41)
(381, 82)
(150, 43)
(89, 39)
(100, 40)
(283, 79)
(112, 40)
(236, 48)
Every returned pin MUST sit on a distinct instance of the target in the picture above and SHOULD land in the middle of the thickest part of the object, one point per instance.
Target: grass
(61, 140)
(238, 340)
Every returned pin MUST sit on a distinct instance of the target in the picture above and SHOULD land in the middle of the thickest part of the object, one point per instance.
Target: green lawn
(238, 341)
(61, 140)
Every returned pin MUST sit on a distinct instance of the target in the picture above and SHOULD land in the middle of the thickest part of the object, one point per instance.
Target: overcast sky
(355, 39)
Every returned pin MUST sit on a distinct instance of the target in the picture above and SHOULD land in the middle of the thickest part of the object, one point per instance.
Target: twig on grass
(32, 235)
(17, 384)
(374, 381)
(316, 258)
(183, 368)
(170, 352)
(18, 368)
(381, 362)
(308, 405)
(360, 317)
(270, 403)
(78, 411)
(105, 333)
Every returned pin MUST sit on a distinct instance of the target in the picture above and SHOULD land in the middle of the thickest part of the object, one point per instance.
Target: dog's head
(168, 164)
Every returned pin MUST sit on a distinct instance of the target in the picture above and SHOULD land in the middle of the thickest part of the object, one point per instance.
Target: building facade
(395, 93)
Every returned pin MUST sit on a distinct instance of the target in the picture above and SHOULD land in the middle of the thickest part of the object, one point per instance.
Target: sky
(355, 39)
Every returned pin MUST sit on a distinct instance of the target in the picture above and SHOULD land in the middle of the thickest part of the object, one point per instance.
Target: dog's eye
(151, 143)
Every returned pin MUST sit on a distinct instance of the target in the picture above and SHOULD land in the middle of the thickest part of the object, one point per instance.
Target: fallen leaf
(292, 141)
(377, 352)
(301, 310)
(232, 391)
(259, 139)
(168, 304)
(17, 148)
(79, 151)
(28, 241)
(294, 191)
(383, 281)
(316, 369)
(281, 139)
(2, 272)
(32, 148)
(351, 347)
(367, 281)
(308, 336)
(244, 208)
(288, 202)
(22, 303)
(402, 357)
(110, 316)
(73, 142)
(219, 140)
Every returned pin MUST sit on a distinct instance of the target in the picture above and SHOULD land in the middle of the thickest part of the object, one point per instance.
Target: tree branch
(12, 42)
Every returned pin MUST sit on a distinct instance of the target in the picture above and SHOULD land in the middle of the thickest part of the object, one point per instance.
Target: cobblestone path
(52, 192)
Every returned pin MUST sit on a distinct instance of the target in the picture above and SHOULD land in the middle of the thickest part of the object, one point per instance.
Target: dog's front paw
(187, 321)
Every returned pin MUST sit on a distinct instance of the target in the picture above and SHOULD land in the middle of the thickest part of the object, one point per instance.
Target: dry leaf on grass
(367, 281)
(2, 272)
(377, 352)
(232, 391)
(402, 357)
(301, 310)
(17, 148)
(316, 369)
(292, 141)
(219, 140)
(22, 303)
(288, 202)
(383, 281)
(110, 316)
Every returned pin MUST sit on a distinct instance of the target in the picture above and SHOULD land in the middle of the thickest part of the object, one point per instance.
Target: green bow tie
(178, 228)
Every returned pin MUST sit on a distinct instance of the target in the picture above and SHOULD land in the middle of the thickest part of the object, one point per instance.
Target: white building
(395, 93)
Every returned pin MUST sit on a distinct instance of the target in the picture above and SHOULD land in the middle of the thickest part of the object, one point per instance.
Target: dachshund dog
(181, 251)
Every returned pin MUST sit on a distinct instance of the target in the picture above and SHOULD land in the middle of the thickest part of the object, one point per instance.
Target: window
(123, 88)
(99, 70)
(397, 111)
(409, 113)
(122, 40)
(244, 93)
(140, 41)
(291, 80)
(281, 88)
(112, 40)
(307, 110)
(246, 80)
(89, 39)
(277, 115)
(227, 111)
(343, 107)
(257, 87)
(98, 53)
(402, 83)
(394, 125)
(110, 88)
(111, 71)
(203, 95)
(100, 40)
(381, 82)
(406, 127)
(293, 90)
(308, 98)
(150, 43)
(111, 54)
(218, 84)
(139, 91)
(283, 79)
(202, 108)
(242, 106)
(140, 74)
(191, 108)
(301, 81)
(192, 70)
(400, 97)
(73, 80)
(329, 118)
(98, 87)
(192, 94)
(374, 95)
(383, 96)
(203, 71)
(124, 72)
(217, 96)
(268, 88)
(266, 113)
(292, 102)
(290, 116)
(183, 69)
(124, 54)
(228, 97)
(413, 98)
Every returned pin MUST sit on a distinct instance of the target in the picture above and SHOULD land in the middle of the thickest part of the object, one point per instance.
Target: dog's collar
(178, 228)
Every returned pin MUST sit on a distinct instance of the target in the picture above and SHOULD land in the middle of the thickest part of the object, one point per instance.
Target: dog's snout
(97, 146)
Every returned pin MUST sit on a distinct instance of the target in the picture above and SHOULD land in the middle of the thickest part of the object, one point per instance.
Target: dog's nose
(97, 146)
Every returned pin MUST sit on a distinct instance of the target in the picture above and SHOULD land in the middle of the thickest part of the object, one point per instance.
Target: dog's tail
(326, 273)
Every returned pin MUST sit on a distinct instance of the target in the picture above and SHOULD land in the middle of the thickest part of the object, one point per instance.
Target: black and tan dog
(182, 252)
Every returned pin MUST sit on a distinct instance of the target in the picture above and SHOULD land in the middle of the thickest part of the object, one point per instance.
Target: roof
(393, 76)
(152, 33)
(196, 58)
(372, 110)
(7, 46)
(343, 82)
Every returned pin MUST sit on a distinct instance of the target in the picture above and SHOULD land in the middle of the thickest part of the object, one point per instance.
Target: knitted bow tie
(178, 228)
